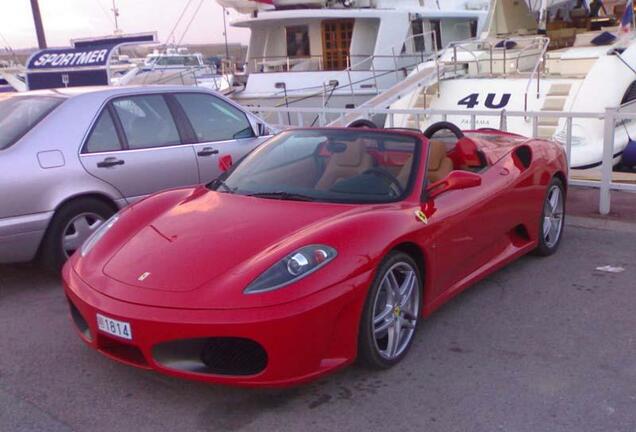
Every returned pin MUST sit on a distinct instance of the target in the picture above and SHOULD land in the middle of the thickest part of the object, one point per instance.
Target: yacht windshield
(344, 166)
(18, 114)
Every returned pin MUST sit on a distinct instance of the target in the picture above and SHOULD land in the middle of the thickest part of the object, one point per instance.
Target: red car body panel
(202, 248)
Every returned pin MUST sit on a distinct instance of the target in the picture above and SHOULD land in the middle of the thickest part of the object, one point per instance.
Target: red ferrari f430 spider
(321, 247)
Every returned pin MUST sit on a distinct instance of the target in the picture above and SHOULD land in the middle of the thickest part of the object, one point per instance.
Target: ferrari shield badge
(421, 216)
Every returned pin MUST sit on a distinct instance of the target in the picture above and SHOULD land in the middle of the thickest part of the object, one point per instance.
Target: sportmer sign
(86, 63)
(70, 57)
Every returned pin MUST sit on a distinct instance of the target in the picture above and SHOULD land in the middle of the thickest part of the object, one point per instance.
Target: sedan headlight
(292, 268)
(98, 234)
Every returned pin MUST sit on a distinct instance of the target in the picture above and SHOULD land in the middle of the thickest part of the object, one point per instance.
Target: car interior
(368, 163)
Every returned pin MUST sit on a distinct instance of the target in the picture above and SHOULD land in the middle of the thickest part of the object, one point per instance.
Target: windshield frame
(38, 120)
(420, 146)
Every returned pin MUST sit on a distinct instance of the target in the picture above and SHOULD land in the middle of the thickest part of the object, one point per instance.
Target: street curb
(601, 224)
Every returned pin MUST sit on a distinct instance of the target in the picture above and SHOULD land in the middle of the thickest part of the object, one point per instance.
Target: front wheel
(552, 219)
(72, 224)
(391, 312)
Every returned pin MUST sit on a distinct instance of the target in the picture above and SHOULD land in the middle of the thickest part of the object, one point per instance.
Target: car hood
(212, 242)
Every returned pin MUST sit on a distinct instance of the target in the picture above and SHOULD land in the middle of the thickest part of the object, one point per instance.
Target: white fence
(297, 117)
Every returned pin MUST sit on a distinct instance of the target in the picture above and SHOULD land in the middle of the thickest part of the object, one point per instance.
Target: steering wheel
(394, 183)
(443, 125)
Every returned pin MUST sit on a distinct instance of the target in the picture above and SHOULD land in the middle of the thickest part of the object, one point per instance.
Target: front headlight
(98, 234)
(292, 268)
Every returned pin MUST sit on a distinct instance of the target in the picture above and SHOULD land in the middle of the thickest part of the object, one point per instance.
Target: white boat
(515, 69)
(338, 54)
(177, 66)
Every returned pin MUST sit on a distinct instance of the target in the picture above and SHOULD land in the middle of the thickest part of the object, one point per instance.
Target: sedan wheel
(391, 313)
(78, 230)
(72, 224)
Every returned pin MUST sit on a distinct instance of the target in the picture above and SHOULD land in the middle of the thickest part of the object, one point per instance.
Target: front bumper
(20, 236)
(303, 340)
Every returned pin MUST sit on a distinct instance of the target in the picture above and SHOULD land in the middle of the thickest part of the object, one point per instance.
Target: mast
(37, 20)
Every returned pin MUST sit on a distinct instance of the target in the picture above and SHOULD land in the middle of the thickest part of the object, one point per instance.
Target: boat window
(298, 41)
(630, 94)
(19, 114)
(147, 121)
(177, 61)
(104, 137)
(214, 119)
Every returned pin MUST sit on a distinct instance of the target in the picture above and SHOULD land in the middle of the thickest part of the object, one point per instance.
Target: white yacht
(177, 66)
(340, 53)
(582, 64)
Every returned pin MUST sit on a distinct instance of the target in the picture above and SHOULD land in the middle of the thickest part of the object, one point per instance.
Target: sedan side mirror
(454, 181)
(263, 130)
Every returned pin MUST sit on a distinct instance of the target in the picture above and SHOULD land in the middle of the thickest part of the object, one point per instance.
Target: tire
(375, 349)
(67, 222)
(553, 213)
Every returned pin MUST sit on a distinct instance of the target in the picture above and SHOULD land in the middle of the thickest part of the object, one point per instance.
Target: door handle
(207, 151)
(109, 162)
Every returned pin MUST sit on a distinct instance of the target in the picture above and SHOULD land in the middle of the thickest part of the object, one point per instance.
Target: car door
(136, 146)
(220, 129)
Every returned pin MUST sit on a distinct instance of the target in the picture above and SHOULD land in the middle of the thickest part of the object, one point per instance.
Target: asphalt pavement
(545, 345)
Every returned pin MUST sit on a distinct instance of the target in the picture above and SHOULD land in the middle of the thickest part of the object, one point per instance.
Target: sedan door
(136, 146)
(220, 129)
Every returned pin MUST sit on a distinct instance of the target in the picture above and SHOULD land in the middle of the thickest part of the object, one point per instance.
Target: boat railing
(497, 50)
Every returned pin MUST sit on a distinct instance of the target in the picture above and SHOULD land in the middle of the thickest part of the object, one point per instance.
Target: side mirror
(454, 181)
(263, 130)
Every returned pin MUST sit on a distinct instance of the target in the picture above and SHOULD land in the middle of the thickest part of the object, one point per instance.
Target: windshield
(18, 114)
(352, 166)
(177, 61)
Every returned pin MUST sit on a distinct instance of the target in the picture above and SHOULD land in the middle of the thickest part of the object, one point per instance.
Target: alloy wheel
(395, 310)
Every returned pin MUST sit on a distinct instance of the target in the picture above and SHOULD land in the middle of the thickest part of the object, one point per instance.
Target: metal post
(37, 20)
(375, 79)
(353, 96)
(395, 65)
(608, 161)
(116, 16)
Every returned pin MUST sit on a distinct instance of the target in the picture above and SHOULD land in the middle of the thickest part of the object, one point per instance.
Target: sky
(67, 19)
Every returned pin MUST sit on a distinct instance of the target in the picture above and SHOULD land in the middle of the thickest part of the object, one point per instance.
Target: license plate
(116, 328)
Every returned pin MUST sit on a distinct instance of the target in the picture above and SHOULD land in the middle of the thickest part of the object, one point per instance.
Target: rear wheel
(552, 219)
(391, 312)
(72, 224)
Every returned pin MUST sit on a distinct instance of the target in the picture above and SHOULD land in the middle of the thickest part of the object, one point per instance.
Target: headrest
(605, 38)
(351, 156)
(436, 155)
(508, 44)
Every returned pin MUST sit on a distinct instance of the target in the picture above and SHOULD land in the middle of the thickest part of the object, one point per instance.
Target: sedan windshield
(18, 114)
(344, 166)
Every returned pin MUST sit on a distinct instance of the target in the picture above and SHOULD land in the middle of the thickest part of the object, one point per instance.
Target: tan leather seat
(439, 164)
(353, 161)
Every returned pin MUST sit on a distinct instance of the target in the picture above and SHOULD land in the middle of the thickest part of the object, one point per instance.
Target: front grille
(122, 351)
(217, 355)
(234, 356)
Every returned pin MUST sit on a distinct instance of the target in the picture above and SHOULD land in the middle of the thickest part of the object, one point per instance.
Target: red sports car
(321, 247)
